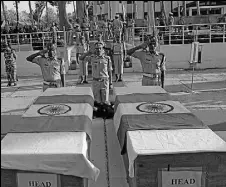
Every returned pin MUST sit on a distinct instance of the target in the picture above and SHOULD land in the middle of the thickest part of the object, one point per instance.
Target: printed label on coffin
(155, 108)
(55, 109)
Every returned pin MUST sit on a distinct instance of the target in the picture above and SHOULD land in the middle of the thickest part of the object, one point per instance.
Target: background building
(139, 9)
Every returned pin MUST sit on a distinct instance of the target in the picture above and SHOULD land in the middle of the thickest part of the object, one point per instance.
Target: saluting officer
(101, 72)
(53, 68)
(81, 49)
(153, 62)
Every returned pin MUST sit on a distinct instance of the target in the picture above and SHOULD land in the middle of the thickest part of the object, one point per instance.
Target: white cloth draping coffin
(58, 152)
(156, 142)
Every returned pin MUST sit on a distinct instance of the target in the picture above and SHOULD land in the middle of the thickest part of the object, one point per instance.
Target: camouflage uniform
(10, 65)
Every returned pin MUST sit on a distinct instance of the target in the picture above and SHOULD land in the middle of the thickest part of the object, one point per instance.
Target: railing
(181, 34)
(32, 41)
(168, 35)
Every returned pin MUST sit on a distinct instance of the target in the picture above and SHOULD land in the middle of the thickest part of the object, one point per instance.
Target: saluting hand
(43, 52)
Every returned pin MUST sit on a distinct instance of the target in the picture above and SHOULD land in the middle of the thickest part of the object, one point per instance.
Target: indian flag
(59, 117)
(139, 94)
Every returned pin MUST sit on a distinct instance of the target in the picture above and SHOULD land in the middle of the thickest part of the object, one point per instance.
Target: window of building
(100, 2)
(145, 1)
(120, 1)
(130, 2)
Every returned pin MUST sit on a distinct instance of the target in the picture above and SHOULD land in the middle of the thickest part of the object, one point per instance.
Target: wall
(25, 68)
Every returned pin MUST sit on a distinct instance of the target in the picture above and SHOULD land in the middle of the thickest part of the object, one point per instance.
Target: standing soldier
(101, 72)
(117, 26)
(53, 68)
(81, 49)
(85, 26)
(118, 50)
(105, 29)
(10, 64)
(153, 63)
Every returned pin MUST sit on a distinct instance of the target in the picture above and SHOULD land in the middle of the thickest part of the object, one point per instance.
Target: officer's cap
(51, 46)
(116, 16)
(99, 43)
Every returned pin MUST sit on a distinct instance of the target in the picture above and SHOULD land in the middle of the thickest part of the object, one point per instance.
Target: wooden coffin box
(17, 178)
(172, 157)
(139, 94)
(61, 158)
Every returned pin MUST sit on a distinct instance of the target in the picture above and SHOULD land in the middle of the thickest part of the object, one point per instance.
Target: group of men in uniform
(53, 68)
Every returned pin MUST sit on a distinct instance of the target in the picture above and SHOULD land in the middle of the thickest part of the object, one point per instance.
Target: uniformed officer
(80, 50)
(153, 62)
(117, 27)
(10, 64)
(101, 72)
(105, 30)
(53, 68)
(118, 50)
(85, 29)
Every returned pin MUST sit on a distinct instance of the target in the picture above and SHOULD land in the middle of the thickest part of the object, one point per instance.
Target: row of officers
(53, 68)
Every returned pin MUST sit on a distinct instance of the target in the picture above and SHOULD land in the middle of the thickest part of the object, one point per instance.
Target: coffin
(157, 157)
(139, 94)
(162, 140)
(57, 159)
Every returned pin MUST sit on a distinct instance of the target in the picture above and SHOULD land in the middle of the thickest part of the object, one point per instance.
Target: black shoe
(9, 84)
(81, 82)
(120, 80)
(86, 82)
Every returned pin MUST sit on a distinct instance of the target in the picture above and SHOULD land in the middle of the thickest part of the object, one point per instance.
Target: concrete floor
(207, 101)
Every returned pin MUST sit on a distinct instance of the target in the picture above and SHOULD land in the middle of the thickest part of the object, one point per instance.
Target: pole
(74, 8)
(47, 15)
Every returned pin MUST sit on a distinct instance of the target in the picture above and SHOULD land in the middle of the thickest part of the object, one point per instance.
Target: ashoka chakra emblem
(155, 107)
(54, 109)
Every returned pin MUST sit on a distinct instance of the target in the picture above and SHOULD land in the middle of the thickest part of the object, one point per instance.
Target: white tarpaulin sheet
(59, 152)
(156, 142)
(131, 109)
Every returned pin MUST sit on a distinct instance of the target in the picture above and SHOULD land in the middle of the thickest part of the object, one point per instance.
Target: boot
(85, 80)
(120, 78)
(116, 78)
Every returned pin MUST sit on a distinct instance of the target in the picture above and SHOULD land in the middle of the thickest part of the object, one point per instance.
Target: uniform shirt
(117, 48)
(10, 59)
(117, 24)
(51, 68)
(151, 63)
(101, 65)
(82, 48)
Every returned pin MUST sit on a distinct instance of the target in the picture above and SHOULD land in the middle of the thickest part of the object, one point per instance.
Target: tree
(4, 11)
(17, 13)
(31, 15)
(39, 7)
(184, 8)
(52, 17)
(63, 15)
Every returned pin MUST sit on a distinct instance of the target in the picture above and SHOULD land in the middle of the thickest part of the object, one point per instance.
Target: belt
(100, 79)
(117, 53)
(152, 75)
(85, 29)
(49, 83)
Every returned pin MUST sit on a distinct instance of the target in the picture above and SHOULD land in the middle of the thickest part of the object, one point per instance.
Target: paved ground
(207, 100)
